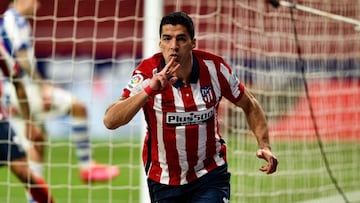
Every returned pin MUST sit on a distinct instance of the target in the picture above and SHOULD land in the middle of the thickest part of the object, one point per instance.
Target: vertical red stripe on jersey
(191, 133)
(169, 138)
(172, 157)
(150, 149)
(205, 80)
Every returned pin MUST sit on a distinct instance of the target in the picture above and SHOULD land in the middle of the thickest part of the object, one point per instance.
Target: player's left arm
(257, 122)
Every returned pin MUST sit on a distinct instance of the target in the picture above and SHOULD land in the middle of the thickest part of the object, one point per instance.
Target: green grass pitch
(301, 174)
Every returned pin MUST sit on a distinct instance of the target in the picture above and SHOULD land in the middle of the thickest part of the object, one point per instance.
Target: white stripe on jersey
(201, 151)
(212, 70)
(180, 138)
(234, 82)
(165, 176)
(202, 138)
(217, 90)
(181, 149)
(201, 105)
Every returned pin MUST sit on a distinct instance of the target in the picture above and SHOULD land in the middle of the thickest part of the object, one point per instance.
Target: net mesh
(259, 43)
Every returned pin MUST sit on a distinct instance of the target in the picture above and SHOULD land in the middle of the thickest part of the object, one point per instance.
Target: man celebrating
(179, 91)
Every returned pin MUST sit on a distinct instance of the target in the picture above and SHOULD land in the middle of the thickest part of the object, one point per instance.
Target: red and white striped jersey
(183, 141)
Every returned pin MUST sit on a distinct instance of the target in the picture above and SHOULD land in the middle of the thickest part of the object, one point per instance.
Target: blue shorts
(213, 187)
(9, 149)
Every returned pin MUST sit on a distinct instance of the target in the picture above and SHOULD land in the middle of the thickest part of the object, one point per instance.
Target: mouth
(174, 56)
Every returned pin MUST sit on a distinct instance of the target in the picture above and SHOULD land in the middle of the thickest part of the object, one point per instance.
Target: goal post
(91, 47)
(153, 13)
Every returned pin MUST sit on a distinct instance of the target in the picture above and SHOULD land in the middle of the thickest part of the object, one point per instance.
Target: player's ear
(193, 43)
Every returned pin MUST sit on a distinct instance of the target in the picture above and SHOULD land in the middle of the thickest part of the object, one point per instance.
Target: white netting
(258, 41)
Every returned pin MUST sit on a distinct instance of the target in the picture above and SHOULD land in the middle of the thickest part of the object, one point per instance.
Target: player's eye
(166, 38)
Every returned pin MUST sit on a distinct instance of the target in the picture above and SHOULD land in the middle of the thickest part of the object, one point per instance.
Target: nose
(174, 45)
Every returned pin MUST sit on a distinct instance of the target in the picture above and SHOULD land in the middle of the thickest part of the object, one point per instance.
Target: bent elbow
(112, 124)
(109, 123)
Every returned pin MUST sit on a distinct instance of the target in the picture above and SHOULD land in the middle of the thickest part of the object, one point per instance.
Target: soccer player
(11, 151)
(45, 98)
(179, 91)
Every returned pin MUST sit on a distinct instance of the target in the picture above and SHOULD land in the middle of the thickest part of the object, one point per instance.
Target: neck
(185, 71)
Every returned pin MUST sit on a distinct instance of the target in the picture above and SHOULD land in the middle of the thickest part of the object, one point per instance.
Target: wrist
(265, 146)
(149, 91)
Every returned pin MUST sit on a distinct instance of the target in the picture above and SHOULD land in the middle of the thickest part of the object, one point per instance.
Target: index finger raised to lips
(167, 69)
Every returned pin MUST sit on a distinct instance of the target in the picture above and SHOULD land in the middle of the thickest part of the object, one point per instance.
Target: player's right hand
(160, 80)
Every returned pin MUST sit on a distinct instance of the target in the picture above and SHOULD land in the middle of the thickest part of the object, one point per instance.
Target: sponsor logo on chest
(189, 118)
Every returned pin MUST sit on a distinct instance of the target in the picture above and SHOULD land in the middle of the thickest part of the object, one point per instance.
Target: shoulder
(10, 15)
(147, 65)
(203, 55)
(153, 60)
(12, 18)
(211, 60)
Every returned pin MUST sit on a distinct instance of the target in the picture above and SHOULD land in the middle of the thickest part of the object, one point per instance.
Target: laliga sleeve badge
(135, 80)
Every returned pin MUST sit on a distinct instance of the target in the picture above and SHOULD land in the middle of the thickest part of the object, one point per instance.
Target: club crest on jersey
(135, 80)
(207, 93)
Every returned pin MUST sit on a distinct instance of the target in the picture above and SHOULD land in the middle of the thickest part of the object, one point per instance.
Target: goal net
(90, 48)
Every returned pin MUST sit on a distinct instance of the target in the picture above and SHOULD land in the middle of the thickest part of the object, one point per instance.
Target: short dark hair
(178, 18)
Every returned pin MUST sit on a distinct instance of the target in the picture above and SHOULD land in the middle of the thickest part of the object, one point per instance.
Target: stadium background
(96, 36)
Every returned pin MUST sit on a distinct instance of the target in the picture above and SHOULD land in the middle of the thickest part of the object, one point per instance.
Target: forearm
(257, 122)
(121, 112)
(258, 125)
(256, 119)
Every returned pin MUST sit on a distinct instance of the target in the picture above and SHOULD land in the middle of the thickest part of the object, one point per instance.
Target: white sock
(29, 198)
(81, 140)
(36, 167)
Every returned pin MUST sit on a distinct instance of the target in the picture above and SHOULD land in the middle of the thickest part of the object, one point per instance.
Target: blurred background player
(11, 151)
(45, 98)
